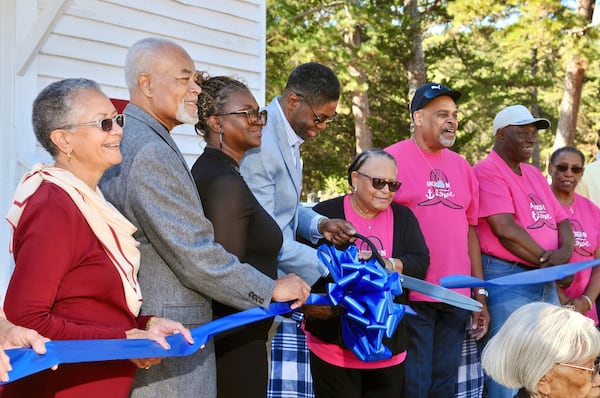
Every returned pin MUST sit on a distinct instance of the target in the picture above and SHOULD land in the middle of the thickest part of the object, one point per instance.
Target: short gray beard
(185, 117)
(446, 143)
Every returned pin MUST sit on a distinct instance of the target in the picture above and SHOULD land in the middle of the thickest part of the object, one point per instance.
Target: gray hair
(533, 339)
(362, 157)
(141, 56)
(56, 106)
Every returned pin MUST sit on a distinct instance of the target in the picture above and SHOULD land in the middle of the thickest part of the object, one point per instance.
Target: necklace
(364, 214)
(436, 172)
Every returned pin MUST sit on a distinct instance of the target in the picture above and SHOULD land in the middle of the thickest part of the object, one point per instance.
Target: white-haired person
(546, 351)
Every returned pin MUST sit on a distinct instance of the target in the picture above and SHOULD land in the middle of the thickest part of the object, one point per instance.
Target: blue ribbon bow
(365, 291)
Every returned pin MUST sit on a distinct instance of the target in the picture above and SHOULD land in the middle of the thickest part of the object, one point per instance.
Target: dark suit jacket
(182, 268)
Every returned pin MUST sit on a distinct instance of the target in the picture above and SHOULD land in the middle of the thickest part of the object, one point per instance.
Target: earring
(221, 139)
(353, 188)
(69, 156)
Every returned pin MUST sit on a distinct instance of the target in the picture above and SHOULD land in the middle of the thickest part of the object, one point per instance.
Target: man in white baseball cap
(518, 115)
(521, 224)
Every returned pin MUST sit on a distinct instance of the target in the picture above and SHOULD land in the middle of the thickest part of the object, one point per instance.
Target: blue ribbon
(365, 291)
(25, 361)
(539, 275)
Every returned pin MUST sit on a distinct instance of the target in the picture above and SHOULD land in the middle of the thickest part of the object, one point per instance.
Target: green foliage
(496, 52)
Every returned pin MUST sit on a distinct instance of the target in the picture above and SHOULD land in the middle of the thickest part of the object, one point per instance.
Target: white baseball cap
(518, 115)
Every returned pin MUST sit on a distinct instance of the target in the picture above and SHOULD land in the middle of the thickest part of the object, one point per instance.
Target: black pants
(241, 356)
(331, 381)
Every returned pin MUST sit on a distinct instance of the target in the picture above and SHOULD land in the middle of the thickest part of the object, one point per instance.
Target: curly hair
(213, 97)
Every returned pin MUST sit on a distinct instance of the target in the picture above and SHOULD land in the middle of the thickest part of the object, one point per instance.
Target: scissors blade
(440, 293)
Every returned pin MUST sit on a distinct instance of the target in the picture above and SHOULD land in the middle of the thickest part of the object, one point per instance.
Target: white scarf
(111, 228)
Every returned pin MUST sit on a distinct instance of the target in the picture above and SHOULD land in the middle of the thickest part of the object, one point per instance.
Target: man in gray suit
(273, 172)
(182, 268)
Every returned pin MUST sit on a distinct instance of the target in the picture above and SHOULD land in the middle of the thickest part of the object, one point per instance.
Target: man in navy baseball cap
(428, 92)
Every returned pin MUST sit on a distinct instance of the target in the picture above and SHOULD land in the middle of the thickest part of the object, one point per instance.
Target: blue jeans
(435, 338)
(504, 300)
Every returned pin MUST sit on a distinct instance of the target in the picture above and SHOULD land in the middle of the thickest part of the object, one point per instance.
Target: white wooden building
(42, 41)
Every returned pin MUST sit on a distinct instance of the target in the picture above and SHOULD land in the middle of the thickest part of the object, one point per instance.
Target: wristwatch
(481, 292)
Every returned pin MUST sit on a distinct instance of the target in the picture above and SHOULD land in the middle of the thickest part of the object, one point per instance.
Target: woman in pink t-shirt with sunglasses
(566, 170)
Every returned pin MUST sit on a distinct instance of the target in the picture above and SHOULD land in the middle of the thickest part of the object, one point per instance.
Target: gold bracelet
(589, 301)
(150, 322)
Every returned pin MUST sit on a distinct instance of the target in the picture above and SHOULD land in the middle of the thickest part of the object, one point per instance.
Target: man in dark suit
(273, 172)
(182, 268)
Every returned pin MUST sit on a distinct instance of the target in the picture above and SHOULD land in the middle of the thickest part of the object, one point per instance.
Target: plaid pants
(290, 362)
(470, 374)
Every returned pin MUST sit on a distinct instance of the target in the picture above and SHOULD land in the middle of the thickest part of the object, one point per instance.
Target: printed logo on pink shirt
(539, 214)
(439, 191)
(581, 239)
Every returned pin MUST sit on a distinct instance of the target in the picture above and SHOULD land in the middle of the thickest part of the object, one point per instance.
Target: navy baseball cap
(428, 92)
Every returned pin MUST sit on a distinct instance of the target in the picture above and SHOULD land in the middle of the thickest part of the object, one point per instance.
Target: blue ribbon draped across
(25, 361)
(365, 292)
(539, 275)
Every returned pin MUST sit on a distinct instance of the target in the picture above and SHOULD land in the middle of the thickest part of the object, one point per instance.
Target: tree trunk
(360, 96)
(417, 75)
(535, 106)
(569, 105)
(360, 111)
(571, 99)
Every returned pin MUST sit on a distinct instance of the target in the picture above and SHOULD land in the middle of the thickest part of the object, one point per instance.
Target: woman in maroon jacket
(76, 261)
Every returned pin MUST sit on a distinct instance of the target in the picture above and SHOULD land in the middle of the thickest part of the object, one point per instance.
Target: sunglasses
(574, 169)
(105, 125)
(317, 119)
(379, 183)
(254, 116)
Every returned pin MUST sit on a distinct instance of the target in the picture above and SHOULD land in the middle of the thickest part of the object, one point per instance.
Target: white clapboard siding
(90, 38)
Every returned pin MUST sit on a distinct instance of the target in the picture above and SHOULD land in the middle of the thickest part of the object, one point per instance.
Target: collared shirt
(294, 140)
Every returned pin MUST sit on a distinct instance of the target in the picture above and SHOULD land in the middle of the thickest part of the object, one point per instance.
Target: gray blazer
(274, 179)
(182, 268)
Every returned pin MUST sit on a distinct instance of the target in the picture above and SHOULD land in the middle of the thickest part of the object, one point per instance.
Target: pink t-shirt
(527, 197)
(441, 190)
(380, 231)
(585, 221)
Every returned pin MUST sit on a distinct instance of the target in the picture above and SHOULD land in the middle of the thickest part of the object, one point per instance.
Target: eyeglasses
(105, 125)
(317, 119)
(593, 370)
(254, 116)
(574, 169)
(379, 183)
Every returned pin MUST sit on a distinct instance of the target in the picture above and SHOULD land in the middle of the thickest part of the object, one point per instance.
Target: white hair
(533, 339)
(141, 56)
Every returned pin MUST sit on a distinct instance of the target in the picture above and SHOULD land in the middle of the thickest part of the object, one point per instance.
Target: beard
(447, 143)
(184, 117)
